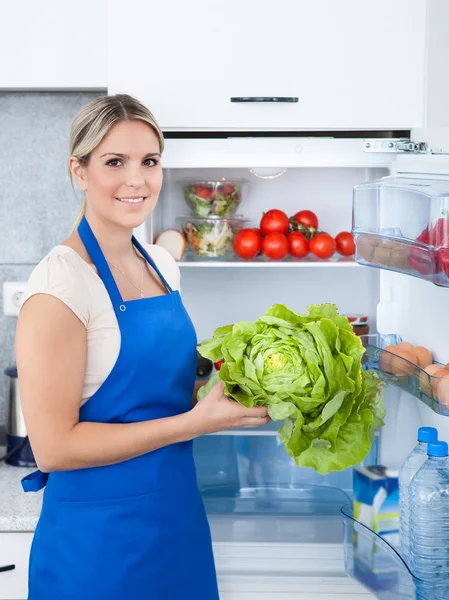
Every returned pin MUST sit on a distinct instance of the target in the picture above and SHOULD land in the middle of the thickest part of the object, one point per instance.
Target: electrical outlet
(13, 296)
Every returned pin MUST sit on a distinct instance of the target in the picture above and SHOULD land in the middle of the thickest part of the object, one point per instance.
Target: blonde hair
(96, 119)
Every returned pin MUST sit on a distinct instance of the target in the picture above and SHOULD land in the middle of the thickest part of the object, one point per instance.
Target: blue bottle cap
(427, 434)
(437, 449)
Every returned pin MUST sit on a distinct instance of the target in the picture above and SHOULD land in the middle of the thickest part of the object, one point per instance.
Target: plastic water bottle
(410, 467)
(429, 513)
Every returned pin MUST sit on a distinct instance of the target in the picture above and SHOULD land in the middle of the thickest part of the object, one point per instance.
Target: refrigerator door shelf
(401, 224)
(432, 390)
(379, 567)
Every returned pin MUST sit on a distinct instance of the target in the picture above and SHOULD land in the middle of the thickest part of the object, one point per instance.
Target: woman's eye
(114, 160)
(152, 160)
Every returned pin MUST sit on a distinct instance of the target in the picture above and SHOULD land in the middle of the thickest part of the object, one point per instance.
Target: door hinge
(398, 146)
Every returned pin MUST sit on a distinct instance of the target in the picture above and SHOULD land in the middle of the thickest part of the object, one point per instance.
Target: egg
(425, 378)
(366, 245)
(436, 378)
(424, 357)
(402, 363)
(446, 367)
(406, 346)
(442, 391)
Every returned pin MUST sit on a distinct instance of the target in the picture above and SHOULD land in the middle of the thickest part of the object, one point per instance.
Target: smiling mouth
(132, 200)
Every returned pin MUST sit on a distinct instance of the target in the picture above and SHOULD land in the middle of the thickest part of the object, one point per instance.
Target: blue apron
(136, 530)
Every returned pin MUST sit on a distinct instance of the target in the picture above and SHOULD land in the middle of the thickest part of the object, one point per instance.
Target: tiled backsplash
(37, 204)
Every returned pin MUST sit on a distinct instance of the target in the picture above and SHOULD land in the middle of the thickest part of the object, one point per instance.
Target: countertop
(18, 511)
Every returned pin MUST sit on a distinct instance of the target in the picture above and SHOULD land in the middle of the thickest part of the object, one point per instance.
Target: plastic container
(409, 468)
(211, 236)
(433, 391)
(209, 197)
(401, 224)
(392, 579)
(429, 513)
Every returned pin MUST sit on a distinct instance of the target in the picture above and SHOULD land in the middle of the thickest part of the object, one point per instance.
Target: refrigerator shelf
(371, 561)
(191, 260)
(281, 500)
(402, 224)
(433, 391)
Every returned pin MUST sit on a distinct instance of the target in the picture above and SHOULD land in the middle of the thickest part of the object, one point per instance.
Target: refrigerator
(280, 531)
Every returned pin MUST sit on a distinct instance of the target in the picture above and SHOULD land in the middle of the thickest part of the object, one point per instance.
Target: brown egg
(442, 391)
(425, 378)
(366, 245)
(436, 378)
(406, 346)
(402, 363)
(382, 255)
(446, 367)
(424, 357)
(399, 254)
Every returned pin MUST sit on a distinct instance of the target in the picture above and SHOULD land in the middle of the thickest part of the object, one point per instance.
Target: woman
(106, 356)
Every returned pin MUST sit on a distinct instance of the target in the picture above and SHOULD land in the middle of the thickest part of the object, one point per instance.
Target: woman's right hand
(216, 412)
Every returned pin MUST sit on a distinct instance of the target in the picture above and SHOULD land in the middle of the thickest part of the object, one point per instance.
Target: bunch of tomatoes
(278, 235)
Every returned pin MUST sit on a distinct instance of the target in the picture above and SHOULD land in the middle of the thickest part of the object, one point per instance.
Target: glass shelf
(433, 391)
(401, 224)
(240, 475)
(379, 567)
(192, 260)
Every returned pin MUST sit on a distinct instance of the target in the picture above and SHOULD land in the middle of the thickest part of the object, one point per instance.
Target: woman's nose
(135, 177)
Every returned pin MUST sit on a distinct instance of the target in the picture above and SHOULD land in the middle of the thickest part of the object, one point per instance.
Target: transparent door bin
(379, 567)
(433, 391)
(253, 474)
(401, 224)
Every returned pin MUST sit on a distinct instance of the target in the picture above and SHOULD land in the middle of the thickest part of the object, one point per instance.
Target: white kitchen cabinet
(351, 64)
(55, 45)
(14, 550)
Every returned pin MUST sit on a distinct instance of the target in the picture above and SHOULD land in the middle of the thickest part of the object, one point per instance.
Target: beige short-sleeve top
(64, 274)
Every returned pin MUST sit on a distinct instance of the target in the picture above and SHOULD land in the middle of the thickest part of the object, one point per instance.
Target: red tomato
(345, 243)
(218, 364)
(323, 245)
(275, 245)
(274, 221)
(228, 188)
(298, 244)
(247, 243)
(202, 191)
(306, 218)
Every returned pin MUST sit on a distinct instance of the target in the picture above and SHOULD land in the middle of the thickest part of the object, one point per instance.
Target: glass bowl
(213, 197)
(211, 236)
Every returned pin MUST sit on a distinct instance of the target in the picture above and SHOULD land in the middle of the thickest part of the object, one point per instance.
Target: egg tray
(433, 391)
(403, 256)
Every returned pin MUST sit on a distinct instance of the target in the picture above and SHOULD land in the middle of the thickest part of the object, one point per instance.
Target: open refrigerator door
(401, 227)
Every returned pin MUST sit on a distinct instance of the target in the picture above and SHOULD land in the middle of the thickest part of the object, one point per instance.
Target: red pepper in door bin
(439, 232)
(419, 258)
(443, 256)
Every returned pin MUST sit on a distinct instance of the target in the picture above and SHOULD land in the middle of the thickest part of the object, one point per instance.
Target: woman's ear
(78, 172)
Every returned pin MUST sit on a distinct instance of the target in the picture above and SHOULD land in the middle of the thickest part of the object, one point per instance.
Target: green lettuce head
(307, 370)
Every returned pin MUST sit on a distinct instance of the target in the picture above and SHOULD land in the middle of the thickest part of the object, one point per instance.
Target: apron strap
(93, 249)
(144, 253)
(34, 481)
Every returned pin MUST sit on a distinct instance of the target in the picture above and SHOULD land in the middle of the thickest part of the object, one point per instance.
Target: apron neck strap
(93, 249)
(145, 254)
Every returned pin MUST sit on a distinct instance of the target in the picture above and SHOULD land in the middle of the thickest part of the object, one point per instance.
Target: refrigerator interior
(253, 491)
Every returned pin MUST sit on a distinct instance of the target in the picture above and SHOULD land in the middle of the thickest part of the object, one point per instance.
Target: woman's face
(124, 176)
